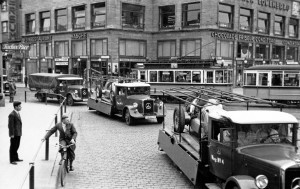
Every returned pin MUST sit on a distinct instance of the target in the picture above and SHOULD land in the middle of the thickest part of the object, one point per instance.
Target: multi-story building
(68, 36)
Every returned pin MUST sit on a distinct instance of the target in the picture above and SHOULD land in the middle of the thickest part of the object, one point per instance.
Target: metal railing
(30, 170)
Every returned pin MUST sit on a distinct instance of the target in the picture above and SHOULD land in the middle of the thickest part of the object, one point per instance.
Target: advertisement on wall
(12, 19)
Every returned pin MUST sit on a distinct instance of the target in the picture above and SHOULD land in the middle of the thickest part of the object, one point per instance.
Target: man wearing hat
(67, 135)
(15, 132)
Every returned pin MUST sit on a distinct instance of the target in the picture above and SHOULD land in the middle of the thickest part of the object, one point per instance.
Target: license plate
(150, 117)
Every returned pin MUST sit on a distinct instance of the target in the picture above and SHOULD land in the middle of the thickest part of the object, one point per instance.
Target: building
(69, 36)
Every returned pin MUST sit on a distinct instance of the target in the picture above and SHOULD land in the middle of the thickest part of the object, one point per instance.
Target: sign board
(15, 46)
(61, 63)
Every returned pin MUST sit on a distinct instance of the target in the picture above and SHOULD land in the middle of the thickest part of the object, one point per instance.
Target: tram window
(153, 76)
(183, 76)
(219, 76)
(209, 77)
(250, 79)
(277, 79)
(165, 76)
(227, 76)
(143, 75)
(263, 79)
(196, 77)
(291, 79)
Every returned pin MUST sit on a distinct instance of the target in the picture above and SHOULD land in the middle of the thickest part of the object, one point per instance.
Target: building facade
(114, 36)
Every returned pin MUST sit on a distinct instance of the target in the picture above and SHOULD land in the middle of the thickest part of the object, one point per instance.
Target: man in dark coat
(67, 135)
(15, 132)
(12, 91)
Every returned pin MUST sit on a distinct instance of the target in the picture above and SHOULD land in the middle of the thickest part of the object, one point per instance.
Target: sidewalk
(36, 119)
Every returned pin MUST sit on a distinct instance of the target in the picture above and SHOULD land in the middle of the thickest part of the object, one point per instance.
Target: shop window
(291, 79)
(276, 78)
(167, 17)
(183, 76)
(98, 15)
(190, 48)
(196, 77)
(78, 17)
(244, 50)
(61, 48)
(278, 52)
(30, 23)
(292, 53)
(166, 48)
(250, 79)
(165, 76)
(4, 6)
(263, 22)
(191, 14)
(61, 20)
(45, 21)
(45, 49)
(262, 51)
(246, 16)
(32, 51)
(79, 48)
(132, 47)
(98, 47)
(4, 27)
(279, 25)
(153, 76)
(225, 16)
(133, 16)
(293, 27)
(225, 49)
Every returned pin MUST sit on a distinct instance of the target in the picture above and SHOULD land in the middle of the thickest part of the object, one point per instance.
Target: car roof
(256, 116)
(134, 84)
(70, 78)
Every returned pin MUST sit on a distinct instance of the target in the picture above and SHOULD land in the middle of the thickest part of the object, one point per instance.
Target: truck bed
(101, 105)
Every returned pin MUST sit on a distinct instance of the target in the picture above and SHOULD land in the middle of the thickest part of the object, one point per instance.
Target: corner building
(114, 36)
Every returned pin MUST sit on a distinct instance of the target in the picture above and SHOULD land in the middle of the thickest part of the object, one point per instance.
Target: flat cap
(64, 116)
(16, 103)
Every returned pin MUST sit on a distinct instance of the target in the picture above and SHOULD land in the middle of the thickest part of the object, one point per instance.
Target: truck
(127, 98)
(59, 86)
(220, 147)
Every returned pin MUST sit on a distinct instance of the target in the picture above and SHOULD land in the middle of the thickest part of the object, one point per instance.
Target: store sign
(244, 37)
(37, 38)
(132, 60)
(274, 4)
(12, 19)
(15, 46)
(62, 59)
(79, 36)
(61, 63)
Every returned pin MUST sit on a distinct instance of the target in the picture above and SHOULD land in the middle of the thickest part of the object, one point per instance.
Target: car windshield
(138, 90)
(264, 133)
(74, 82)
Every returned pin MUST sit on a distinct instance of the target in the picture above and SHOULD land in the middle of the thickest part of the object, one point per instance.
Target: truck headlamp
(135, 105)
(261, 181)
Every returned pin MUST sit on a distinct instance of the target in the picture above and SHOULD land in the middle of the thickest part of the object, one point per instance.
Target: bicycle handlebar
(67, 146)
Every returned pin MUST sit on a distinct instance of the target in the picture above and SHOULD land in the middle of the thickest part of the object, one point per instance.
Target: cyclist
(67, 135)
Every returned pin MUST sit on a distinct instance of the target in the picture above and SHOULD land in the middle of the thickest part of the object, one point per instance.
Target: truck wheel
(128, 118)
(70, 100)
(160, 119)
(179, 120)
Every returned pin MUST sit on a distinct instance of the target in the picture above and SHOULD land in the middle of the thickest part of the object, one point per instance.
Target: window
(45, 49)
(291, 79)
(4, 27)
(45, 21)
(278, 52)
(98, 47)
(153, 76)
(4, 6)
(132, 48)
(225, 16)
(191, 14)
(196, 77)
(225, 49)
(61, 48)
(277, 78)
(78, 47)
(279, 25)
(292, 53)
(30, 23)
(219, 76)
(262, 79)
(250, 79)
(246, 19)
(209, 76)
(61, 20)
(183, 76)
(98, 15)
(244, 50)
(262, 51)
(32, 50)
(263, 22)
(133, 16)
(293, 27)
(190, 48)
(78, 17)
(167, 17)
(166, 48)
(165, 76)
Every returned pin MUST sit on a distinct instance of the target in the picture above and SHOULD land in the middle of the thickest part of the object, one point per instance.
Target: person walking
(12, 91)
(25, 81)
(67, 135)
(15, 132)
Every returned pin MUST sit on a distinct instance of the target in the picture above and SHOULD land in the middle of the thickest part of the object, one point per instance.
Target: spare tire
(179, 119)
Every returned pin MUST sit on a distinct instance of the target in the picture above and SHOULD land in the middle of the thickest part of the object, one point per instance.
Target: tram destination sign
(15, 46)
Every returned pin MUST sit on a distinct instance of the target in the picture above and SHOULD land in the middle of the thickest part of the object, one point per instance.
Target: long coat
(14, 124)
(68, 135)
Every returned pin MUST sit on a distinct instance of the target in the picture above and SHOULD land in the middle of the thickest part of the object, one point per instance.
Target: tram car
(279, 83)
(169, 76)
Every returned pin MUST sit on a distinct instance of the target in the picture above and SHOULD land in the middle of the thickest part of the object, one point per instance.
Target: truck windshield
(264, 133)
(138, 90)
(74, 82)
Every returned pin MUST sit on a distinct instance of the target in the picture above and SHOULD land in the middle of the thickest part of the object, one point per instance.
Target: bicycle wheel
(67, 167)
(63, 173)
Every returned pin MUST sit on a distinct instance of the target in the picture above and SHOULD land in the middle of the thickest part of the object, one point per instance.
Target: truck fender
(241, 181)
(131, 111)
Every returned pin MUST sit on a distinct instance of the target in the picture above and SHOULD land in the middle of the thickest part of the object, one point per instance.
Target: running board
(119, 115)
(212, 186)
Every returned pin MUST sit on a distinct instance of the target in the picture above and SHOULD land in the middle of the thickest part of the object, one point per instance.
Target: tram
(166, 75)
(279, 83)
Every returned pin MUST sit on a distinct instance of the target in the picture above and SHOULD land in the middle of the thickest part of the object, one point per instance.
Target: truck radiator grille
(148, 106)
(292, 174)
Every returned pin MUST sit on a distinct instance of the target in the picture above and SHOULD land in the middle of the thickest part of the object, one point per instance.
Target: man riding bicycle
(67, 135)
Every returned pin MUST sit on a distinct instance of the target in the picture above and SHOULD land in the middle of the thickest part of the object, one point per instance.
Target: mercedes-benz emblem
(296, 183)
(148, 106)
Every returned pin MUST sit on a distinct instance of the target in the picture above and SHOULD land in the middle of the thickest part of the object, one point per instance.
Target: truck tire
(70, 101)
(128, 118)
(179, 120)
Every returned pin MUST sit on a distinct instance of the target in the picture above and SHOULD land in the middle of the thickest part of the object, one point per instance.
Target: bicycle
(64, 167)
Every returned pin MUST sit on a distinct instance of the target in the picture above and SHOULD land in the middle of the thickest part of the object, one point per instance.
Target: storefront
(100, 64)
(126, 66)
(61, 65)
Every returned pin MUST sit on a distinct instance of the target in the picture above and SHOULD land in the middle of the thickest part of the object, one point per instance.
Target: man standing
(67, 135)
(25, 81)
(15, 132)
(12, 91)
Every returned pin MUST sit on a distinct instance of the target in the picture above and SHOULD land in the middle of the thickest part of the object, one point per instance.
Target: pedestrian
(14, 84)
(12, 91)
(15, 132)
(67, 135)
(25, 81)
